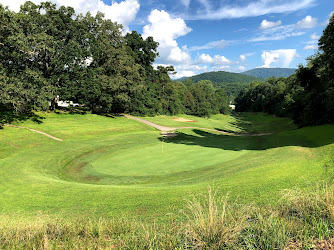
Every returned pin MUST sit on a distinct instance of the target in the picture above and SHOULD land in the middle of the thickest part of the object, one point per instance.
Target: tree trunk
(54, 103)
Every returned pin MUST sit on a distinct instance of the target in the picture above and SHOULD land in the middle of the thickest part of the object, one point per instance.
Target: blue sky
(209, 35)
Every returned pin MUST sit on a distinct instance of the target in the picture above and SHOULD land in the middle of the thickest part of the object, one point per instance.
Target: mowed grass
(119, 167)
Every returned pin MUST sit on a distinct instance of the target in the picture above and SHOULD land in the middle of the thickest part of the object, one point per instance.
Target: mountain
(269, 72)
(223, 77)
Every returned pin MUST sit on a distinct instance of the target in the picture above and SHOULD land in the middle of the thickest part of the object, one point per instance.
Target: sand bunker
(168, 134)
(182, 120)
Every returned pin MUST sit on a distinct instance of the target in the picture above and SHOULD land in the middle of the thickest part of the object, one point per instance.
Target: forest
(49, 53)
(307, 96)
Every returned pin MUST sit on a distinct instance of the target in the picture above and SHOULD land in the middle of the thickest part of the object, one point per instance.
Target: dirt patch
(34, 130)
(182, 120)
(317, 244)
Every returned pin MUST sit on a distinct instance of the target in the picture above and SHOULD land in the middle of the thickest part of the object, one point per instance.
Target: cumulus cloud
(166, 30)
(220, 60)
(307, 23)
(267, 24)
(204, 58)
(254, 8)
(279, 58)
(216, 60)
(177, 55)
(189, 70)
(123, 13)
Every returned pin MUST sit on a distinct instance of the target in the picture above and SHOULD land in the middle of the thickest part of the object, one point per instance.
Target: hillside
(269, 72)
(223, 76)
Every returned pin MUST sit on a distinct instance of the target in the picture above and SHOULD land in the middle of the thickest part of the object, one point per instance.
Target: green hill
(269, 72)
(232, 83)
(223, 76)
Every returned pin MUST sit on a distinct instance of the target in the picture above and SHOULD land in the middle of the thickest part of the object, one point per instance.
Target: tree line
(307, 96)
(48, 52)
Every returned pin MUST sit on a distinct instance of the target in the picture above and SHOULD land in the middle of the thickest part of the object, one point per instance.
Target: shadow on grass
(237, 143)
(83, 111)
(72, 110)
(8, 116)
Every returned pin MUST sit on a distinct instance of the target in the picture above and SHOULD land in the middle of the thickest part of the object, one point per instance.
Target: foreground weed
(264, 230)
(312, 210)
(211, 222)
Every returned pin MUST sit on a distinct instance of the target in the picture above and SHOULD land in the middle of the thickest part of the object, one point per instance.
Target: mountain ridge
(265, 73)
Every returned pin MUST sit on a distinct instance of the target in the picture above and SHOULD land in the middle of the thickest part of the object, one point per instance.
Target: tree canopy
(49, 52)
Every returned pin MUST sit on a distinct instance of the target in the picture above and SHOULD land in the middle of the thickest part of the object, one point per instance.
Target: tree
(143, 51)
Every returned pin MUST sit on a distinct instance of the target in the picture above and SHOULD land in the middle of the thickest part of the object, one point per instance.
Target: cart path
(170, 129)
(34, 130)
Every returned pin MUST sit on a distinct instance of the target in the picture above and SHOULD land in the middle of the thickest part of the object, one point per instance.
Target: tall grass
(212, 222)
(302, 220)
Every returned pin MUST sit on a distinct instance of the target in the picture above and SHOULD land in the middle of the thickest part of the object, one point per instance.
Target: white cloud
(284, 31)
(312, 46)
(267, 24)
(220, 60)
(177, 55)
(204, 58)
(255, 8)
(166, 30)
(242, 58)
(215, 44)
(222, 68)
(189, 70)
(123, 13)
(185, 3)
(327, 21)
(315, 37)
(241, 68)
(216, 60)
(277, 33)
(280, 58)
(307, 23)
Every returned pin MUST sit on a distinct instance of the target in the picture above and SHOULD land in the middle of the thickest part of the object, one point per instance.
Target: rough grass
(212, 222)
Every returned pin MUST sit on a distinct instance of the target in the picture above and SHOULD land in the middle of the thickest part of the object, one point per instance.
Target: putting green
(160, 159)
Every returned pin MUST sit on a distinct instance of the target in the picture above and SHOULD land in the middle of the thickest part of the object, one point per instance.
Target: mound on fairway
(120, 167)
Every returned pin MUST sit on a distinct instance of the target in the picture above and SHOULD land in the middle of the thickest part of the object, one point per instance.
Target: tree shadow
(238, 143)
(83, 111)
(72, 110)
(9, 116)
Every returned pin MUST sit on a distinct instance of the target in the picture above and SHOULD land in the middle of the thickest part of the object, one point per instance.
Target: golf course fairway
(114, 166)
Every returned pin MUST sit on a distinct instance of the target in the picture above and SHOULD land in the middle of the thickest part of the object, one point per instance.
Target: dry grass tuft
(211, 222)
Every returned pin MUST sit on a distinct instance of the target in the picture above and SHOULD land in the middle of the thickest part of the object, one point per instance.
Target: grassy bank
(113, 166)
(303, 220)
(106, 168)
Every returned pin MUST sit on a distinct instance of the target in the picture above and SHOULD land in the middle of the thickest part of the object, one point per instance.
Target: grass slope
(119, 167)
